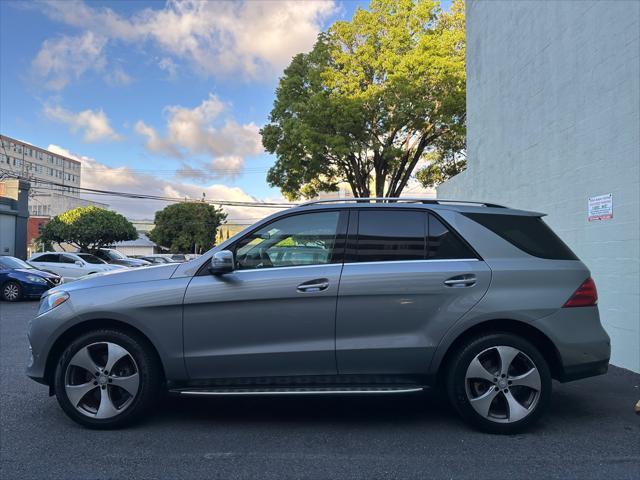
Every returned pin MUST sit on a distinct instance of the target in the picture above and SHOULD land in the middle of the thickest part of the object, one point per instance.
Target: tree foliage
(370, 100)
(88, 228)
(187, 227)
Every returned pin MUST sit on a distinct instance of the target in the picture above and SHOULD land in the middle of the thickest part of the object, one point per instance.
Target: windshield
(114, 254)
(87, 257)
(13, 262)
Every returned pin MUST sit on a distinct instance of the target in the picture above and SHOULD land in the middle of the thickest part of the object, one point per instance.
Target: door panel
(392, 315)
(262, 322)
(407, 279)
(275, 314)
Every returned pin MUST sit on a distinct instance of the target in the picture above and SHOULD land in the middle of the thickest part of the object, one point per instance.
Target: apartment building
(54, 178)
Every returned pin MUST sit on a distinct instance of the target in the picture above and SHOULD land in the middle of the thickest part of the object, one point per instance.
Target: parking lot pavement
(589, 432)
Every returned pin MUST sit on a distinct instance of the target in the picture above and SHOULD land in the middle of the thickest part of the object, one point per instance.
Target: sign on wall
(601, 207)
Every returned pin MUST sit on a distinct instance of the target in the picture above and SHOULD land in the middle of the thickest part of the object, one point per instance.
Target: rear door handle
(316, 285)
(468, 280)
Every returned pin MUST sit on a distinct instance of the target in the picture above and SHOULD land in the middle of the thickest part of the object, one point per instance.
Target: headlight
(51, 301)
(35, 279)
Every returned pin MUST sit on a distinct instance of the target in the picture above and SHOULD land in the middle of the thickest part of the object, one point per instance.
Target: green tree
(373, 97)
(444, 162)
(187, 227)
(88, 228)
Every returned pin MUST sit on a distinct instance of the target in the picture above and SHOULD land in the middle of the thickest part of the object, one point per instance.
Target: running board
(201, 392)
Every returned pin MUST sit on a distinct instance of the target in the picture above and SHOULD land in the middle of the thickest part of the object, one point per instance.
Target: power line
(40, 185)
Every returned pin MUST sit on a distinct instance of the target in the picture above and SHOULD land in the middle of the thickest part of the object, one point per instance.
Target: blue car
(20, 280)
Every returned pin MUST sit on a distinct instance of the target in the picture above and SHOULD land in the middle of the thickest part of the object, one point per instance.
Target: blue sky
(154, 96)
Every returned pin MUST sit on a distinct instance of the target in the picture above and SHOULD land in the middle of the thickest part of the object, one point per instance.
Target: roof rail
(428, 201)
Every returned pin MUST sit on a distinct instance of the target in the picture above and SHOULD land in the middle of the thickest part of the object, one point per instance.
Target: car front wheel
(107, 379)
(499, 382)
(11, 292)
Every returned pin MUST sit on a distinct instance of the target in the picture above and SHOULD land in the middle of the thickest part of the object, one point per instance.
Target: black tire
(8, 291)
(456, 382)
(148, 368)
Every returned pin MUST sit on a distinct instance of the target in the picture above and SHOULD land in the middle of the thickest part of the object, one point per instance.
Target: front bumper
(583, 346)
(34, 290)
(41, 334)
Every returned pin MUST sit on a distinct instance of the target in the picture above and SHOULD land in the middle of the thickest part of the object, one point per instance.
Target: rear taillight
(585, 296)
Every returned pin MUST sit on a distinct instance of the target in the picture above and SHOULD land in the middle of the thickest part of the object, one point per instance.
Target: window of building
(306, 239)
(391, 235)
(443, 244)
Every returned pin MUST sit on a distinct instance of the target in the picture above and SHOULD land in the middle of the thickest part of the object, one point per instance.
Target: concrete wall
(14, 212)
(553, 104)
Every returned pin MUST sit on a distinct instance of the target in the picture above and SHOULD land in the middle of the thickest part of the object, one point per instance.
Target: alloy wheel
(101, 380)
(11, 292)
(503, 384)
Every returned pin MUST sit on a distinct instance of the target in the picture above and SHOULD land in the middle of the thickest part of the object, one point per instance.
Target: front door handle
(316, 285)
(468, 280)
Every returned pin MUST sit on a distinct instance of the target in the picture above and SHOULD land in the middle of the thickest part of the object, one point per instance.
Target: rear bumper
(576, 372)
(583, 346)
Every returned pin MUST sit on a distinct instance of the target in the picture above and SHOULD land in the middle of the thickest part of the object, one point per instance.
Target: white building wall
(553, 105)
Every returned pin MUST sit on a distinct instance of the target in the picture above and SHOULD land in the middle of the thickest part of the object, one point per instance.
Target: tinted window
(52, 258)
(529, 234)
(87, 257)
(388, 235)
(67, 259)
(307, 239)
(444, 244)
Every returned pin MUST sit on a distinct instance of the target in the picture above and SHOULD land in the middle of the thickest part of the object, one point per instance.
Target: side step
(338, 390)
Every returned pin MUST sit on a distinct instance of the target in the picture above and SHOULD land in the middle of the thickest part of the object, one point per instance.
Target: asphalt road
(589, 432)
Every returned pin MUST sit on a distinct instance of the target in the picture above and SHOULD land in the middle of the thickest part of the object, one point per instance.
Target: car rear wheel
(107, 379)
(500, 383)
(11, 291)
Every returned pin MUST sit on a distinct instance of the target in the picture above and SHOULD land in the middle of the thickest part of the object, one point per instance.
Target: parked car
(483, 300)
(115, 257)
(19, 280)
(71, 265)
(157, 259)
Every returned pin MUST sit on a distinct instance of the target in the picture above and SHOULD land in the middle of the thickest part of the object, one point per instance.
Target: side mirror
(222, 262)
(79, 263)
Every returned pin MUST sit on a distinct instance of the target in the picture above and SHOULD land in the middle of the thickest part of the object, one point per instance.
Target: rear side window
(529, 234)
(386, 236)
(443, 244)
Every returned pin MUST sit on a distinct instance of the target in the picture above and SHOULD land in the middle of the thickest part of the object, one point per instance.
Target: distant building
(34, 229)
(14, 212)
(553, 125)
(141, 246)
(43, 169)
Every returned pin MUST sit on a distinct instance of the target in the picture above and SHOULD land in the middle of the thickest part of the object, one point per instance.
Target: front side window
(307, 239)
(67, 259)
(49, 257)
(391, 235)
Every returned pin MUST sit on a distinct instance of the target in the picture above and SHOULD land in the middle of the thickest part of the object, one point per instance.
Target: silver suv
(350, 297)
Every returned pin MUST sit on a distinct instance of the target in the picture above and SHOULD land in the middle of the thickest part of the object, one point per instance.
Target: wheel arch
(86, 326)
(516, 327)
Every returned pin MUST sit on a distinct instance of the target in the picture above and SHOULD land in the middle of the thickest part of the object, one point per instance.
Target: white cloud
(169, 66)
(93, 123)
(62, 59)
(203, 131)
(97, 175)
(251, 37)
(118, 77)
